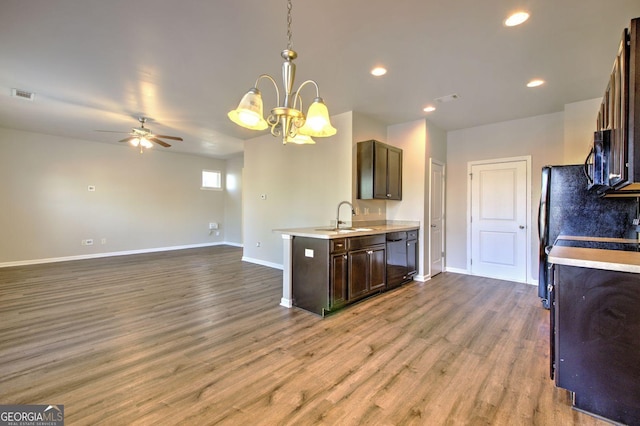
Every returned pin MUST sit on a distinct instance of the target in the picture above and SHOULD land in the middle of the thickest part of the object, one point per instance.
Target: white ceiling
(99, 64)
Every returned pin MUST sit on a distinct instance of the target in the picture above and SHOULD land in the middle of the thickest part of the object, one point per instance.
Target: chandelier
(286, 119)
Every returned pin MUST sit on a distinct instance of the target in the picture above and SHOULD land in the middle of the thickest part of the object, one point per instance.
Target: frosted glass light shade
(318, 123)
(249, 112)
(300, 140)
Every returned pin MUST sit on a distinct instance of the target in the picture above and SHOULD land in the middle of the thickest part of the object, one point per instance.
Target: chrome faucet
(338, 221)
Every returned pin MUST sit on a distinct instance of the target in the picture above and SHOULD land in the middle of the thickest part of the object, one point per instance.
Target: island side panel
(310, 274)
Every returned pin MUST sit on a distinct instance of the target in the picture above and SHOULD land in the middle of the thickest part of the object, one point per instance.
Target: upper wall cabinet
(379, 170)
(620, 113)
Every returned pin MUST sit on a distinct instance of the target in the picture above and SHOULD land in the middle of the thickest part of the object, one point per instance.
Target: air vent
(447, 98)
(23, 94)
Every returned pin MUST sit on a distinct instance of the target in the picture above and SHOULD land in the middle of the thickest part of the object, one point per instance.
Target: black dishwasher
(400, 268)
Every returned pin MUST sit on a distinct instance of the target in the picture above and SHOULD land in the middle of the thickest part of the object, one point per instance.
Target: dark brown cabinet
(366, 271)
(595, 324)
(338, 277)
(379, 171)
(620, 114)
(329, 274)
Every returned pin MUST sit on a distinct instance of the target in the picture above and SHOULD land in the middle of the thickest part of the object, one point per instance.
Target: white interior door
(436, 229)
(499, 220)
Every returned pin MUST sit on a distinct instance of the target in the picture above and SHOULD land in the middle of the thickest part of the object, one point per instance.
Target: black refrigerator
(567, 207)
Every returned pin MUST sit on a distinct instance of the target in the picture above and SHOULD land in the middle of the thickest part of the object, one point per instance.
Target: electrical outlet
(103, 241)
(91, 188)
(217, 233)
(213, 225)
(258, 244)
(263, 196)
(88, 242)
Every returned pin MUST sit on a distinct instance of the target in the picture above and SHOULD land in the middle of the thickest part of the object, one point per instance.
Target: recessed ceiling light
(516, 19)
(429, 108)
(378, 71)
(535, 83)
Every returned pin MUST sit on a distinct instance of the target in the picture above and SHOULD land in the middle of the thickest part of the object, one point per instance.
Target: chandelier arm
(297, 94)
(275, 85)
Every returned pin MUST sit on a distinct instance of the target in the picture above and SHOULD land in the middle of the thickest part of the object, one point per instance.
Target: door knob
(521, 226)
(433, 226)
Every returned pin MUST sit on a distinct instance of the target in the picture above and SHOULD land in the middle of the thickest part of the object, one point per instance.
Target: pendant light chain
(289, 6)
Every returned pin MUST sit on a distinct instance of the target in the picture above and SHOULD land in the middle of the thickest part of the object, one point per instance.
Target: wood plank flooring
(197, 337)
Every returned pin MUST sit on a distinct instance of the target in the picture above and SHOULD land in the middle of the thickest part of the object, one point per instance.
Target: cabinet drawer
(337, 245)
(355, 243)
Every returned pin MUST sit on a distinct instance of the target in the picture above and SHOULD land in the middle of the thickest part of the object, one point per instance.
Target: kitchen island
(595, 325)
(330, 267)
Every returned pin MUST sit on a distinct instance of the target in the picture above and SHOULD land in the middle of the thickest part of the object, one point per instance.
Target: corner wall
(302, 185)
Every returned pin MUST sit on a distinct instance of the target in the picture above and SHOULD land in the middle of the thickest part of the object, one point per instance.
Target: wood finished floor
(197, 337)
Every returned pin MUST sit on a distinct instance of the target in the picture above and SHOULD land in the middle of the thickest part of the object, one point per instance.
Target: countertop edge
(317, 232)
(612, 260)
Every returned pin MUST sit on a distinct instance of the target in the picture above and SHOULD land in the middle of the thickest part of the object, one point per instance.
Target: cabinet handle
(369, 251)
(344, 256)
(388, 195)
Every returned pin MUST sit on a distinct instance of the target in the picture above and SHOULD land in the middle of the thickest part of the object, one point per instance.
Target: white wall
(232, 227)
(420, 140)
(551, 139)
(303, 185)
(141, 202)
(541, 137)
(579, 125)
(366, 128)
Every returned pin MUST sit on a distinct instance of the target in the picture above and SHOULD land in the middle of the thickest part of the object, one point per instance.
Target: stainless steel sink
(344, 230)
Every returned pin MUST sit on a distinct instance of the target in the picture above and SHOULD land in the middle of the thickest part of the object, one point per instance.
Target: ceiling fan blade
(175, 138)
(128, 139)
(159, 142)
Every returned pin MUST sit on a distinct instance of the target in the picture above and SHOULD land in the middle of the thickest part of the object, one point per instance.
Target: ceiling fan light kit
(142, 137)
(287, 119)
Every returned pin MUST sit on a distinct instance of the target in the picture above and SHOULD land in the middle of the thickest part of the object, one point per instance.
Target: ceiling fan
(142, 136)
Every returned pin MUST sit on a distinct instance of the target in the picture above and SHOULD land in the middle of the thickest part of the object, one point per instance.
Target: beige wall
(366, 128)
(540, 137)
(141, 202)
(233, 200)
(303, 185)
(579, 125)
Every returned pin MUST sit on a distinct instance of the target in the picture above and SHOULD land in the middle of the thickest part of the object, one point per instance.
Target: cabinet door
(617, 120)
(377, 268)
(338, 281)
(380, 171)
(412, 257)
(358, 274)
(394, 174)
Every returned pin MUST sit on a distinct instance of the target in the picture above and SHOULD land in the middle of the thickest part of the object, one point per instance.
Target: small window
(211, 179)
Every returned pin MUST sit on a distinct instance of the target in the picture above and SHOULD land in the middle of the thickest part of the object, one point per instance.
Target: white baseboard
(457, 270)
(109, 254)
(262, 262)
(531, 281)
(287, 303)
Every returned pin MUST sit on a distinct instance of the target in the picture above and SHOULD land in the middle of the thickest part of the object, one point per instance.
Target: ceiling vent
(447, 98)
(23, 94)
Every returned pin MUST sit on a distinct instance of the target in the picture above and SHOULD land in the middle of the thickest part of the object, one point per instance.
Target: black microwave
(596, 165)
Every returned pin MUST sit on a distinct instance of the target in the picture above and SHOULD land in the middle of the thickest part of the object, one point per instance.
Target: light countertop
(613, 260)
(358, 229)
